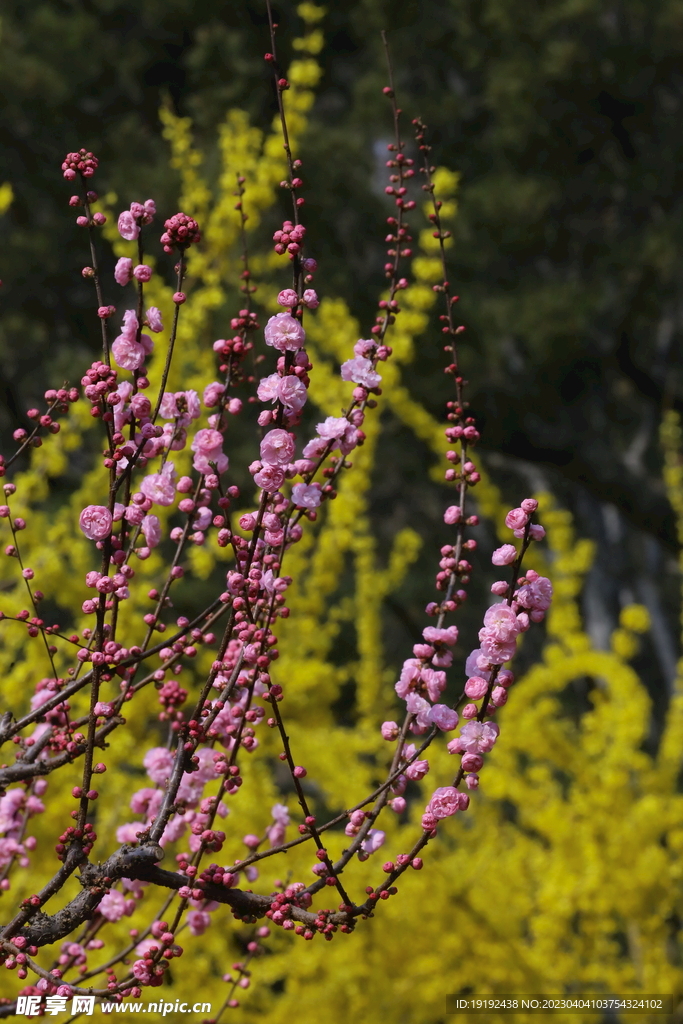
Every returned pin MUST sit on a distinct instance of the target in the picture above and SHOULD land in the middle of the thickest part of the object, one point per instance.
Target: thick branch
(141, 863)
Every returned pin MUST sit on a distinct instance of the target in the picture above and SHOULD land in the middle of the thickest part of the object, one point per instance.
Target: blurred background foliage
(561, 118)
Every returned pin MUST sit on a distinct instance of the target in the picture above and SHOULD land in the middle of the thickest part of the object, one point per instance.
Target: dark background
(564, 122)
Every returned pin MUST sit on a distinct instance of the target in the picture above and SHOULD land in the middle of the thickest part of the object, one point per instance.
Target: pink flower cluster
(290, 391)
(182, 406)
(336, 432)
(124, 271)
(289, 298)
(208, 448)
(277, 451)
(130, 220)
(360, 371)
(445, 801)
(180, 232)
(83, 162)
(289, 239)
(128, 352)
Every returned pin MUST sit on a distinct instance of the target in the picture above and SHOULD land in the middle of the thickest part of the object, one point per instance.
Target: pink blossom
(332, 428)
(128, 833)
(95, 521)
(499, 696)
(311, 299)
(140, 404)
(128, 226)
(146, 801)
(284, 333)
(435, 682)
(443, 658)
(423, 650)
(444, 717)
(477, 664)
(360, 371)
(497, 651)
(389, 730)
(267, 389)
(373, 841)
(198, 921)
(529, 505)
(151, 528)
(501, 620)
(142, 273)
(174, 830)
(516, 519)
(288, 297)
(536, 531)
(34, 806)
(154, 320)
(159, 764)
(444, 802)
(476, 687)
(364, 347)
(276, 831)
(504, 555)
(11, 805)
(270, 477)
(168, 408)
(160, 487)
(280, 813)
(212, 394)
(9, 848)
(314, 449)
(208, 448)
(292, 393)
(173, 437)
(475, 738)
(472, 762)
(134, 514)
(417, 770)
(113, 905)
(123, 271)
(104, 708)
(141, 972)
(410, 673)
(501, 628)
(421, 708)
(306, 495)
(440, 636)
(121, 412)
(452, 515)
(129, 354)
(536, 596)
(277, 447)
(183, 406)
(202, 518)
(130, 326)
